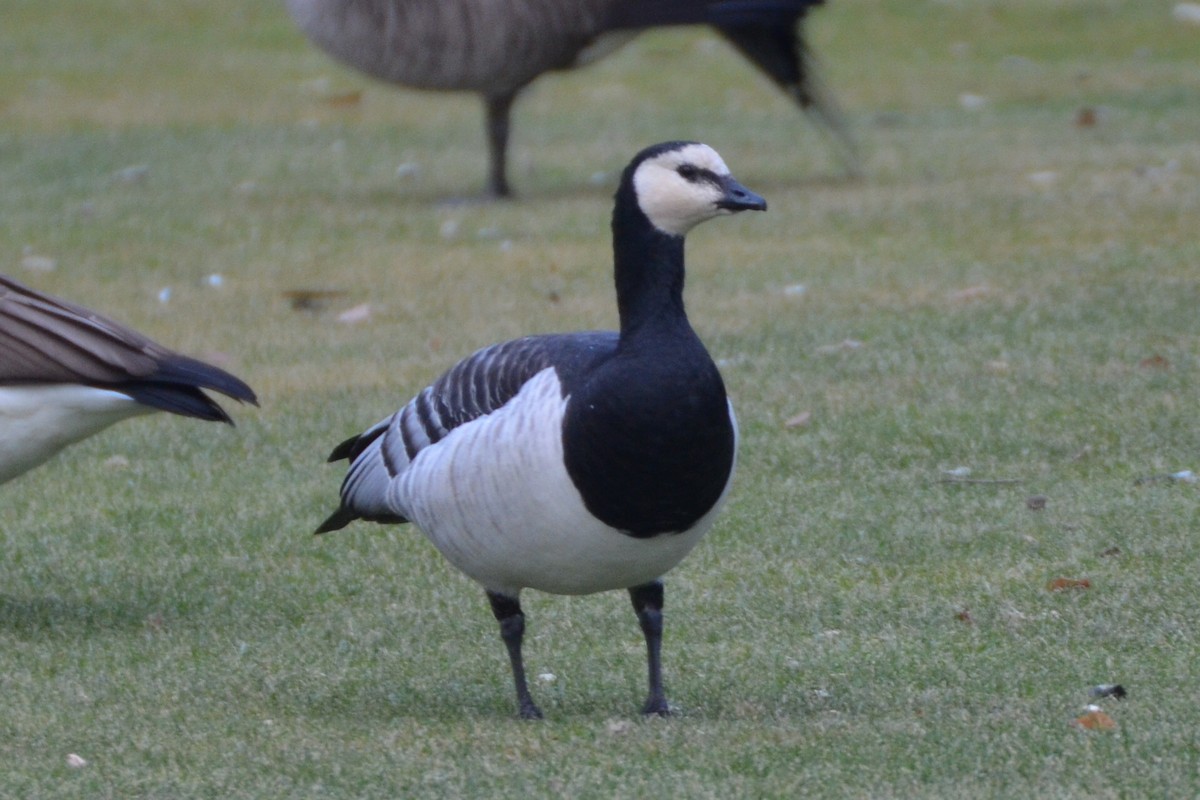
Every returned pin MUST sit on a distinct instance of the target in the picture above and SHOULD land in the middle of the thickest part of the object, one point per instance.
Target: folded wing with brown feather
(46, 340)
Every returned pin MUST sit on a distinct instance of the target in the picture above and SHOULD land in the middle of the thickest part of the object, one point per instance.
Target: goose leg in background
(512, 629)
(648, 602)
(498, 107)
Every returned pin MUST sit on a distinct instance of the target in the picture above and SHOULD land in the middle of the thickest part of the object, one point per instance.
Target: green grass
(173, 622)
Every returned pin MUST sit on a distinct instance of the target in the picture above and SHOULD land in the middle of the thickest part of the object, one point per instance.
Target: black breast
(649, 442)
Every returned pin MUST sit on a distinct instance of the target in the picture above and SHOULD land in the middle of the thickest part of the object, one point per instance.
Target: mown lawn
(1004, 308)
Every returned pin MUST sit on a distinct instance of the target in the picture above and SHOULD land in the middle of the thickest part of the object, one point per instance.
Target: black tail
(770, 33)
(781, 52)
(336, 521)
(176, 387)
(714, 12)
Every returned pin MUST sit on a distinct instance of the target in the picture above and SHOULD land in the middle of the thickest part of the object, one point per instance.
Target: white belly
(38, 421)
(496, 500)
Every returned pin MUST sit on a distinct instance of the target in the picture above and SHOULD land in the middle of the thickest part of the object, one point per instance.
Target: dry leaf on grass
(1095, 720)
(355, 315)
(965, 617)
(1064, 584)
(310, 299)
(343, 99)
(1154, 362)
(801, 420)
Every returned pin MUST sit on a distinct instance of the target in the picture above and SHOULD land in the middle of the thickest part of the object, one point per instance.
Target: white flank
(496, 500)
(38, 421)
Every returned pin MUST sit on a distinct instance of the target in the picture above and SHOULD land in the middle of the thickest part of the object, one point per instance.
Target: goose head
(678, 185)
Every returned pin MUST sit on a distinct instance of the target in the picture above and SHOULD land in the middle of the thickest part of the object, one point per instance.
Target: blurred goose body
(496, 48)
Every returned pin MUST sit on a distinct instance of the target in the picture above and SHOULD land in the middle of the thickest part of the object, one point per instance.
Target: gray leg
(512, 629)
(648, 603)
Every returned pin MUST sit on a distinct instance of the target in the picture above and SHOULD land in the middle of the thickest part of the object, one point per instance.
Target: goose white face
(681, 188)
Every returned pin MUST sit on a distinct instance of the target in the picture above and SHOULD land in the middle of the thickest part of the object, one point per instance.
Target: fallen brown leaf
(344, 99)
(1096, 721)
(1154, 362)
(310, 299)
(1063, 584)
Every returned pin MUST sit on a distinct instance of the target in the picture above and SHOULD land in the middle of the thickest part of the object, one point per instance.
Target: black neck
(648, 271)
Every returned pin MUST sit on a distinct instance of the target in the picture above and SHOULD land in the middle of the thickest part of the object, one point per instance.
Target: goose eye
(688, 172)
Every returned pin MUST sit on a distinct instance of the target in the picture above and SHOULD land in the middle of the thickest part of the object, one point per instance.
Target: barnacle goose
(67, 372)
(498, 47)
(579, 462)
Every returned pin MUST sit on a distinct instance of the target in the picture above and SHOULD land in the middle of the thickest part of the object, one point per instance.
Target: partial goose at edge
(67, 372)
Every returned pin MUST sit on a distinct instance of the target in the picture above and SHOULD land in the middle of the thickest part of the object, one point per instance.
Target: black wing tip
(174, 398)
(344, 450)
(336, 521)
(344, 516)
(190, 371)
(246, 395)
